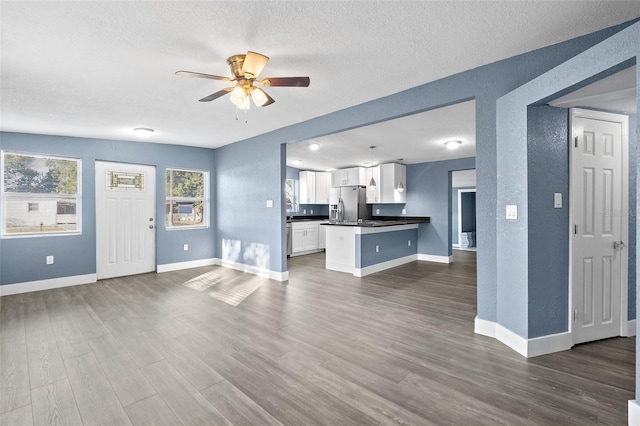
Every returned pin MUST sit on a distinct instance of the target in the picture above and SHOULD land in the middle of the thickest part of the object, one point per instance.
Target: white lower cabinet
(322, 237)
(304, 236)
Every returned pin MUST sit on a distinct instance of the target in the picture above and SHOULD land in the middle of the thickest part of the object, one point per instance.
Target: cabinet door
(297, 238)
(322, 237)
(323, 184)
(373, 193)
(307, 187)
(337, 178)
(390, 177)
(311, 236)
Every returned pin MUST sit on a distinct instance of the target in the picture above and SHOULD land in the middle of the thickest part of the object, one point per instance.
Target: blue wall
(429, 194)
(23, 259)
(393, 245)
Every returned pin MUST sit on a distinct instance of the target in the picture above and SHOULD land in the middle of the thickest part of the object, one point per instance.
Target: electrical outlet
(512, 212)
(404, 211)
(311, 211)
(409, 243)
(49, 260)
(377, 249)
(377, 211)
(185, 247)
(304, 211)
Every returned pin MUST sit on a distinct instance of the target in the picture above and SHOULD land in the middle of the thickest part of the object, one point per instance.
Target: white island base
(364, 250)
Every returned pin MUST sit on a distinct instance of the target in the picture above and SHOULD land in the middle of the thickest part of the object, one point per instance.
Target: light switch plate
(404, 211)
(557, 200)
(512, 211)
(49, 260)
(269, 203)
(185, 247)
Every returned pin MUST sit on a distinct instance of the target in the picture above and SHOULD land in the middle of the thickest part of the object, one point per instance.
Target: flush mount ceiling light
(453, 144)
(297, 162)
(314, 147)
(143, 132)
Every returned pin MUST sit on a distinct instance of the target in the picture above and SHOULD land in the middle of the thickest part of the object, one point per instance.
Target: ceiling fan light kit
(245, 70)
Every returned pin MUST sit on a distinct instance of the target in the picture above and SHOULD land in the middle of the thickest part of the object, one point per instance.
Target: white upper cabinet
(314, 187)
(354, 176)
(393, 183)
(373, 192)
(307, 187)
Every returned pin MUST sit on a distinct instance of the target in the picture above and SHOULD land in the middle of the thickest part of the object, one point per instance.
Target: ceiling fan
(245, 70)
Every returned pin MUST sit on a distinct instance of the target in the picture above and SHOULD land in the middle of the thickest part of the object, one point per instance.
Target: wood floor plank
(141, 352)
(19, 417)
(199, 374)
(54, 404)
(151, 411)
(182, 398)
(127, 381)
(14, 376)
(45, 362)
(70, 340)
(96, 401)
(236, 406)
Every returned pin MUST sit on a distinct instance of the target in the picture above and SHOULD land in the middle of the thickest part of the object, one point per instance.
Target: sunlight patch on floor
(234, 295)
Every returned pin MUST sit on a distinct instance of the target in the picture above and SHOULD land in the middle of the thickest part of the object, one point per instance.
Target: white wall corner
(634, 413)
(434, 258)
(630, 329)
(29, 286)
(549, 344)
(168, 267)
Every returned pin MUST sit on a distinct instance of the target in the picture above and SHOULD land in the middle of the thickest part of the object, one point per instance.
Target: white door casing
(599, 220)
(460, 191)
(125, 219)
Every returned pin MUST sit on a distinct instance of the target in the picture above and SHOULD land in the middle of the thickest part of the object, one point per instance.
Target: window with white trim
(40, 195)
(187, 195)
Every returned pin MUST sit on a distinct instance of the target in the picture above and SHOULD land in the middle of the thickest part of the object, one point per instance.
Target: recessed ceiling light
(329, 170)
(143, 132)
(367, 163)
(453, 144)
(314, 147)
(297, 162)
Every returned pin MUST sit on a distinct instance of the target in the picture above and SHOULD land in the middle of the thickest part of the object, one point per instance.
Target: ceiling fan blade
(253, 64)
(286, 82)
(200, 75)
(216, 95)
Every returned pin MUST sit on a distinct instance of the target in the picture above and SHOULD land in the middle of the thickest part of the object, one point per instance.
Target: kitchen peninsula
(365, 247)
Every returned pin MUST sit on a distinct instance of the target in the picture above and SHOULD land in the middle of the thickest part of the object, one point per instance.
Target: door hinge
(575, 229)
(576, 141)
(575, 314)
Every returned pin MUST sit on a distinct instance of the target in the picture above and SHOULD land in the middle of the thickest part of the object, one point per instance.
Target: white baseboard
(267, 273)
(340, 267)
(168, 267)
(526, 347)
(368, 270)
(634, 413)
(630, 329)
(29, 286)
(433, 258)
(455, 245)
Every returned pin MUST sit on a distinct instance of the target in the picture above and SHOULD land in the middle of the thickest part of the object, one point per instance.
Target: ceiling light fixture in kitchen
(314, 147)
(143, 132)
(297, 162)
(453, 144)
(372, 182)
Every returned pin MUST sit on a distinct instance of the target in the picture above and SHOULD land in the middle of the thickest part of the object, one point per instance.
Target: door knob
(150, 226)
(618, 245)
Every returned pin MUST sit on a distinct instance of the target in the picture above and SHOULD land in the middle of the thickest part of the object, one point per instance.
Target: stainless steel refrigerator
(349, 204)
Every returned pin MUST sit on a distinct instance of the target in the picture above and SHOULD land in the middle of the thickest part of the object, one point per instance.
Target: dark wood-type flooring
(215, 346)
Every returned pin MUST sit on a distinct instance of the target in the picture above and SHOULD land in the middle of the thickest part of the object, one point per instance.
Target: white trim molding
(29, 286)
(372, 269)
(267, 273)
(630, 329)
(526, 347)
(168, 267)
(634, 413)
(434, 258)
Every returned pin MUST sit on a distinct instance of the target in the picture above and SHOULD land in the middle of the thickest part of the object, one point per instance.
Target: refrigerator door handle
(340, 210)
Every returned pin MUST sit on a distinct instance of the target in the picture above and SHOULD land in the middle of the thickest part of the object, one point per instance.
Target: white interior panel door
(597, 195)
(125, 219)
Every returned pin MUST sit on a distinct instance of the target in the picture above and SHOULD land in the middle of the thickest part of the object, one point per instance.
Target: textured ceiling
(101, 68)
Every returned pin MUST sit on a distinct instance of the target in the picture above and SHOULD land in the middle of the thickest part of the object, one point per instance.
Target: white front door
(125, 219)
(598, 187)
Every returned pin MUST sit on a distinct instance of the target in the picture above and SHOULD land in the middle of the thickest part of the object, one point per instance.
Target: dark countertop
(380, 221)
(306, 218)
